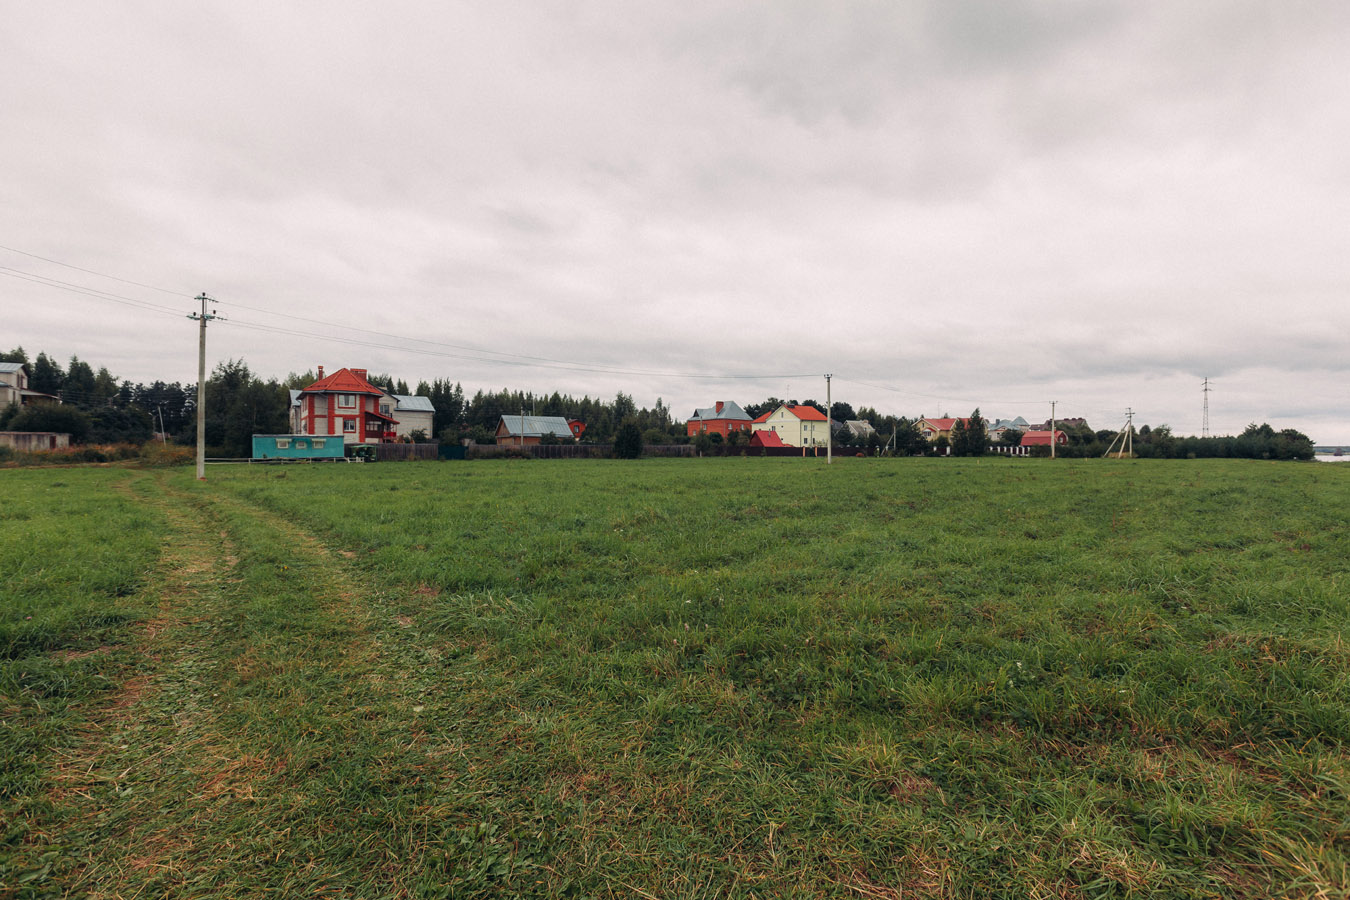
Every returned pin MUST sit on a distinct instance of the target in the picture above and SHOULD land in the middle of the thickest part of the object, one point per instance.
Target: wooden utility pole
(202, 319)
(1052, 428)
(829, 431)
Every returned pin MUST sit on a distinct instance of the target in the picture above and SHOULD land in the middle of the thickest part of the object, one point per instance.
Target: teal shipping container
(297, 446)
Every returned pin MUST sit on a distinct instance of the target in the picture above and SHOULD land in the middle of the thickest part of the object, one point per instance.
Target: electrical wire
(498, 357)
(563, 366)
(88, 291)
(58, 262)
(542, 362)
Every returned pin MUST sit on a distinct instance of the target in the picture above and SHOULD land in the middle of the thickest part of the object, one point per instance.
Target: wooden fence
(392, 451)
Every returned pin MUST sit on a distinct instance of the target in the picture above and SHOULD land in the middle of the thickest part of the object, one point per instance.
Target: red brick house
(345, 403)
(722, 418)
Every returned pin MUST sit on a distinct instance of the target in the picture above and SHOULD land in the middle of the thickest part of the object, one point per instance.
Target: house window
(300, 445)
(318, 443)
(346, 401)
(349, 425)
(283, 443)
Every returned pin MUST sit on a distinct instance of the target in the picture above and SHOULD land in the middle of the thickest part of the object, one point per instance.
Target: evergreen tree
(907, 439)
(46, 375)
(628, 440)
(977, 435)
(958, 438)
(80, 386)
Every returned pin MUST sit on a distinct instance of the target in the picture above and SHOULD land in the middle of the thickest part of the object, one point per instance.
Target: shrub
(153, 453)
(628, 441)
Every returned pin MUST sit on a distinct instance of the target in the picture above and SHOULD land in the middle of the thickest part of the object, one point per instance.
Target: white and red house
(344, 403)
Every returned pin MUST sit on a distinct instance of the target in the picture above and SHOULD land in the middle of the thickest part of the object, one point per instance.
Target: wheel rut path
(270, 697)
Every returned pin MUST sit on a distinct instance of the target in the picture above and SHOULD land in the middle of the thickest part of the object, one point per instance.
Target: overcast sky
(945, 204)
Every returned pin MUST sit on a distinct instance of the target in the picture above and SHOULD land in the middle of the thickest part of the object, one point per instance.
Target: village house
(796, 426)
(1000, 426)
(1070, 422)
(343, 403)
(722, 418)
(932, 429)
(1041, 438)
(413, 413)
(525, 431)
(859, 428)
(14, 387)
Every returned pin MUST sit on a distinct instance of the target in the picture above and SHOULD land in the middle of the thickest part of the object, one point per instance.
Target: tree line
(99, 408)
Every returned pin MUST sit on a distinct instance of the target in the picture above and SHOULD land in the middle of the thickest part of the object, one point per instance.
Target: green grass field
(677, 678)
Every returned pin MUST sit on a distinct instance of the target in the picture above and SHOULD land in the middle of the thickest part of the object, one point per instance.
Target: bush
(628, 441)
(155, 454)
(90, 453)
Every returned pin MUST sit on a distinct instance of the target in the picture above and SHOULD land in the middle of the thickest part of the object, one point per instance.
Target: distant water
(1327, 457)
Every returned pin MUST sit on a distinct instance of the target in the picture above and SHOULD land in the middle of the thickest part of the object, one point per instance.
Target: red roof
(763, 418)
(807, 413)
(343, 381)
(766, 439)
(945, 424)
(1042, 438)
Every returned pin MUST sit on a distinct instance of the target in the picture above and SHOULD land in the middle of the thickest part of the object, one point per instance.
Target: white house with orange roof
(796, 426)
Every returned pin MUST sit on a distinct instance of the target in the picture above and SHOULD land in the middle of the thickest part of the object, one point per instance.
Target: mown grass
(688, 678)
(74, 553)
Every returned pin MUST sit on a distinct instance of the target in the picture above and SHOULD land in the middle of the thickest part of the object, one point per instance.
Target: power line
(58, 262)
(543, 362)
(88, 291)
(401, 337)
(600, 369)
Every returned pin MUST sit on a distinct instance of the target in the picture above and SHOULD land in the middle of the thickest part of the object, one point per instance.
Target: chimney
(720, 404)
(320, 371)
(359, 373)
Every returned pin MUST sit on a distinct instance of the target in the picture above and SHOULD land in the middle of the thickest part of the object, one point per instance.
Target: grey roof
(407, 403)
(860, 427)
(8, 367)
(295, 397)
(1018, 423)
(730, 410)
(537, 425)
